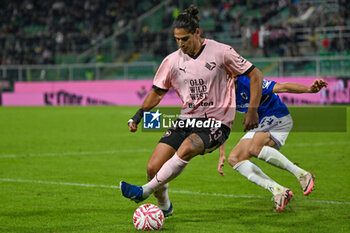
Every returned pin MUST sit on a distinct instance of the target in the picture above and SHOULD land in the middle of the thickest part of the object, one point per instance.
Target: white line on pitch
(57, 183)
(53, 154)
(74, 153)
(172, 191)
(318, 144)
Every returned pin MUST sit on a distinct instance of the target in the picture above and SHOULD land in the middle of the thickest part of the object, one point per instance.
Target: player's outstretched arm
(315, 87)
(251, 119)
(152, 99)
(222, 159)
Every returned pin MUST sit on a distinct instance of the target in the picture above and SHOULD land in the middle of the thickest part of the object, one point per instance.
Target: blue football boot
(132, 192)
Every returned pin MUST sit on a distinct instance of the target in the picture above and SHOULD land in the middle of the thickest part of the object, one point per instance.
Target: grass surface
(60, 168)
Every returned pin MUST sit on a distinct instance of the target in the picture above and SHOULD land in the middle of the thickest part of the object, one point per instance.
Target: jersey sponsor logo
(151, 120)
(202, 104)
(198, 89)
(210, 65)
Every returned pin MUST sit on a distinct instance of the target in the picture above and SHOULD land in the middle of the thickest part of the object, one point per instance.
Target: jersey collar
(200, 51)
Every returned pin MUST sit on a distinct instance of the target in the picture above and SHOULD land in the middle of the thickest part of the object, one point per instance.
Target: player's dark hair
(188, 20)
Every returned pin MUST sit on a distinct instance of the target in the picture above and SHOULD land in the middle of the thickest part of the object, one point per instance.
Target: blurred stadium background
(60, 166)
(107, 40)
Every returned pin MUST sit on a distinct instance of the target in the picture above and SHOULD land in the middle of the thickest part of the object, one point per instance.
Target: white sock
(162, 197)
(257, 176)
(147, 191)
(274, 157)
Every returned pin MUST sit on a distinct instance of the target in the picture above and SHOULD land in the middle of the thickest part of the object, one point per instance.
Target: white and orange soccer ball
(148, 217)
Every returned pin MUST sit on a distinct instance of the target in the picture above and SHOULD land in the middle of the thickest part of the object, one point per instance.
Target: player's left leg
(164, 150)
(190, 147)
(200, 141)
(162, 153)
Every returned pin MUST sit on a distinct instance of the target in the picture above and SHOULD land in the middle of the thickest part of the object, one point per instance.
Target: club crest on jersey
(210, 65)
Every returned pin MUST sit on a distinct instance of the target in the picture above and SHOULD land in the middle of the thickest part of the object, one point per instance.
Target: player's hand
(317, 85)
(132, 126)
(221, 163)
(251, 119)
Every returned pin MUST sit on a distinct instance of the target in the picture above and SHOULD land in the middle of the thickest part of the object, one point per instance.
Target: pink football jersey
(205, 82)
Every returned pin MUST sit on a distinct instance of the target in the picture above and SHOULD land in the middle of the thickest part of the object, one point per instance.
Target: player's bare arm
(152, 99)
(251, 119)
(315, 87)
(222, 159)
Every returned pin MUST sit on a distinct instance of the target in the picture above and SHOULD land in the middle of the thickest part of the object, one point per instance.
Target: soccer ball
(148, 217)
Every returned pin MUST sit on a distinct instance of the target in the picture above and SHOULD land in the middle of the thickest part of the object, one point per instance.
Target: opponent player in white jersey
(201, 72)
(275, 124)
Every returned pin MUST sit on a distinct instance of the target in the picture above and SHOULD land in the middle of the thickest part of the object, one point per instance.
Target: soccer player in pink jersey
(201, 72)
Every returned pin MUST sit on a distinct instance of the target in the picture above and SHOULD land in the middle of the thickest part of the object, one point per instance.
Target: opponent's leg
(239, 160)
(262, 148)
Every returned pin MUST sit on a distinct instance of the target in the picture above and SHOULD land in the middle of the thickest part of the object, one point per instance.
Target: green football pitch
(60, 169)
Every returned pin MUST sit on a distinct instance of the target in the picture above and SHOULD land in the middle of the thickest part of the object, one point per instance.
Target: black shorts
(213, 137)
